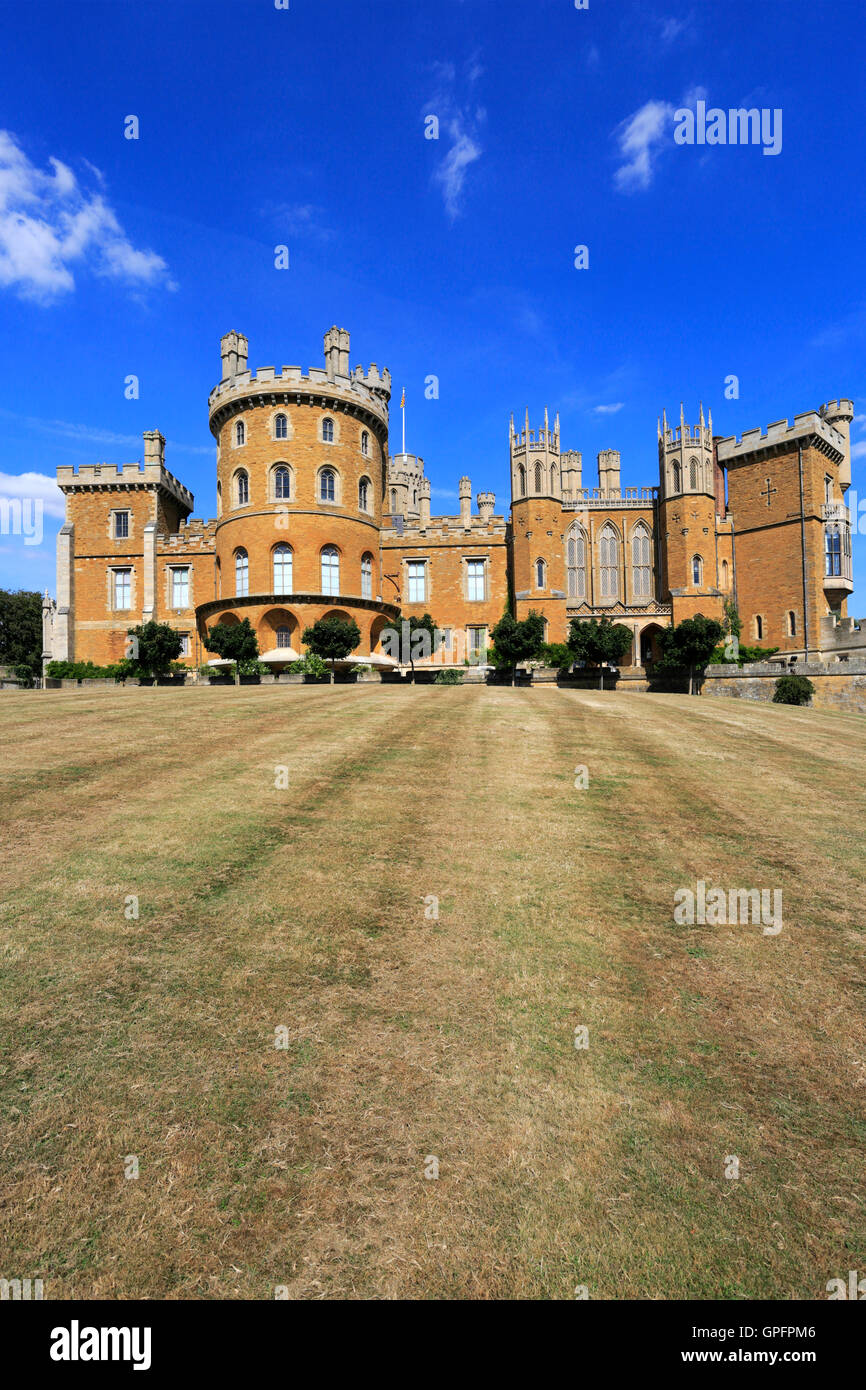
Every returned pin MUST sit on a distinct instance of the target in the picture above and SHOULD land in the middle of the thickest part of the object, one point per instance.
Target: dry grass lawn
(408, 1037)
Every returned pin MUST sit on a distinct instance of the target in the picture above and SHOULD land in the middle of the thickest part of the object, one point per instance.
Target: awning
(281, 654)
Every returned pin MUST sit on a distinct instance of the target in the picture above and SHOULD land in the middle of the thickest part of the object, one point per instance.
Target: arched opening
(649, 644)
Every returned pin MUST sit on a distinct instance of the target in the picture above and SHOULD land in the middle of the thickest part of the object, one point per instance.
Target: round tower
(839, 414)
(301, 473)
(687, 509)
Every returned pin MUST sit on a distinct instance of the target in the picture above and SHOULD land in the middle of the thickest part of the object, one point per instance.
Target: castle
(315, 516)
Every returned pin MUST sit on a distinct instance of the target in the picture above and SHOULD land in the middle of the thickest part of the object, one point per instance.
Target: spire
(702, 419)
(665, 421)
(710, 426)
(527, 427)
(682, 421)
(659, 424)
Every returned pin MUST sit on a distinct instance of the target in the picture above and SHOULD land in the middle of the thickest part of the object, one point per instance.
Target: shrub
(309, 665)
(253, 667)
(448, 678)
(793, 690)
(557, 654)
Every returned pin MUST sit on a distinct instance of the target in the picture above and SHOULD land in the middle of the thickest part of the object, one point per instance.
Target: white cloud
(640, 139)
(50, 225)
(93, 434)
(36, 486)
(858, 451)
(462, 123)
(609, 409)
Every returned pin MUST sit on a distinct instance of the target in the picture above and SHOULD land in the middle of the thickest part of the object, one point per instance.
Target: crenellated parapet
(332, 386)
(194, 534)
(810, 424)
(93, 477)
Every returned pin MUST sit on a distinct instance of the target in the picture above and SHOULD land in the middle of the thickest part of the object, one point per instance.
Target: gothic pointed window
(328, 431)
(539, 574)
(553, 477)
(242, 573)
(609, 563)
(539, 477)
(240, 433)
(367, 576)
(330, 570)
(693, 473)
(697, 569)
(576, 558)
(242, 484)
(640, 561)
(678, 477)
(364, 495)
(521, 481)
(282, 483)
(327, 485)
(281, 427)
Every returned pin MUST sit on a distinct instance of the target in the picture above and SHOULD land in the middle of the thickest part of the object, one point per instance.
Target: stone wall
(838, 684)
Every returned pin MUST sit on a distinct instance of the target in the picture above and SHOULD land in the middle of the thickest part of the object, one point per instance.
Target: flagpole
(403, 408)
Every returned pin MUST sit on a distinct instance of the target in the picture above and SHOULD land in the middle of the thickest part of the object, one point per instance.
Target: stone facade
(314, 516)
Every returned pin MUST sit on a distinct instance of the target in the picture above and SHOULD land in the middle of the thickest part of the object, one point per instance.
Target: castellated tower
(688, 505)
(538, 475)
(301, 488)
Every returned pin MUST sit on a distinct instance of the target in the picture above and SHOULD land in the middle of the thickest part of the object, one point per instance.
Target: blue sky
(306, 127)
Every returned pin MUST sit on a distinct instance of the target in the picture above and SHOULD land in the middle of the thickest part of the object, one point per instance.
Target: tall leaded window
(693, 473)
(416, 574)
(553, 477)
(240, 432)
(121, 526)
(697, 569)
(539, 574)
(328, 431)
(122, 589)
(641, 569)
(366, 576)
(281, 427)
(609, 562)
(282, 483)
(475, 579)
(180, 588)
(364, 495)
(576, 556)
(243, 488)
(365, 443)
(678, 477)
(330, 570)
(521, 481)
(539, 477)
(242, 573)
(283, 569)
(327, 485)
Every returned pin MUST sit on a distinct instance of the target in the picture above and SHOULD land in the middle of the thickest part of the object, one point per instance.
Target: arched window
(281, 427)
(393, 500)
(576, 555)
(724, 574)
(609, 562)
(521, 481)
(697, 569)
(365, 443)
(678, 478)
(242, 485)
(282, 483)
(553, 477)
(539, 477)
(240, 432)
(328, 431)
(282, 569)
(327, 485)
(219, 499)
(364, 495)
(792, 623)
(242, 573)
(693, 473)
(539, 574)
(330, 570)
(367, 576)
(641, 569)
(759, 627)
(284, 636)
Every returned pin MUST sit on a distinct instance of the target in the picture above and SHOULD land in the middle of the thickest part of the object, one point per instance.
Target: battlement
(372, 388)
(780, 432)
(835, 410)
(443, 527)
(527, 441)
(90, 476)
(685, 436)
(597, 498)
(193, 534)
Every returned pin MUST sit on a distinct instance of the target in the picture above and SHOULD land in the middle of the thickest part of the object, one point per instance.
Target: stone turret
(839, 414)
(609, 471)
(424, 502)
(234, 350)
(486, 502)
(535, 460)
(337, 345)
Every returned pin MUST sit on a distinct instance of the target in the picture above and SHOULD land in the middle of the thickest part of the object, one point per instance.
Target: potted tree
(516, 640)
(332, 639)
(235, 642)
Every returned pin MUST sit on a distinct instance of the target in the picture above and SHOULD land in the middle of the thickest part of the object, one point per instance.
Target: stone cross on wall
(769, 492)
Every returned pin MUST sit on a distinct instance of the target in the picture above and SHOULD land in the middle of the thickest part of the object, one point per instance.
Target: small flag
(403, 399)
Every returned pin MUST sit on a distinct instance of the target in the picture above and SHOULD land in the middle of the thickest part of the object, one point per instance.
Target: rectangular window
(184, 643)
(121, 526)
(477, 643)
(475, 585)
(417, 575)
(180, 588)
(122, 588)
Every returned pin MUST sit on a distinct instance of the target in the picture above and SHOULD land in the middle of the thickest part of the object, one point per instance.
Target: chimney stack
(154, 448)
(234, 349)
(608, 470)
(424, 502)
(337, 346)
(465, 490)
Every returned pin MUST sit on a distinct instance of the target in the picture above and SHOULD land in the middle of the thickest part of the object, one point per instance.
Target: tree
(156, 646)
(423, 624)
(599, 643)
(517, 639)
(690, 645)
(21, 630)
(233, 642)
(332, 638)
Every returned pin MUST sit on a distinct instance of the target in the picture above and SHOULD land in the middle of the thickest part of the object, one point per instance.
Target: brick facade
(314, 517)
